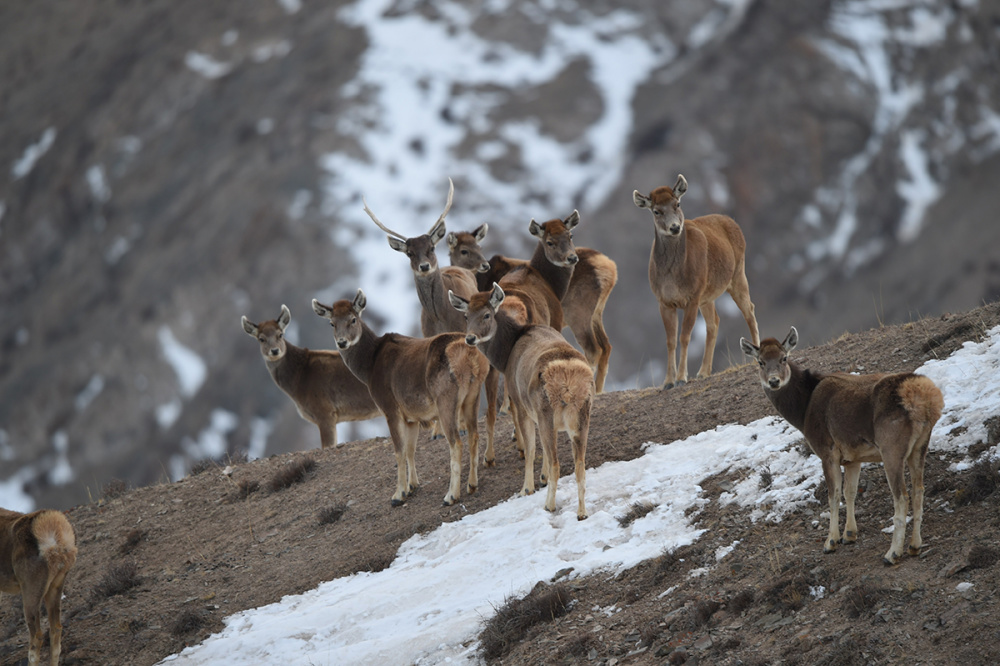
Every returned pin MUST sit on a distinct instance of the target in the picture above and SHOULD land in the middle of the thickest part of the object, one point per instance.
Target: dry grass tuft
(512, 620)
(982, 482)
(247, 487)
(331, 514)
(635, 512)
(188, 621)
(132, 540)
(862, 598)
(291, 474)
(114, 488)
(118, 579)
(741, 601)
(982, 557)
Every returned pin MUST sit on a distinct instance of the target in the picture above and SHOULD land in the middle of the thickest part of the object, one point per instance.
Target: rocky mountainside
(171, 166)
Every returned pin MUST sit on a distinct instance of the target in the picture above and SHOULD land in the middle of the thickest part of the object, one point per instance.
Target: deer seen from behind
(691, 264)
(549, 382)
(583, 297)
(414, 381)
(37, 550)
(324, 391)
(851, 419)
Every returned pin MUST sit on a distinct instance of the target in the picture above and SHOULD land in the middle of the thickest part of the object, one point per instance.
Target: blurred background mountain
(168, 166)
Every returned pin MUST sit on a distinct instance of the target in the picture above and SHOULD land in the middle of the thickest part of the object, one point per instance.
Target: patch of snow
(300, 202)
(6, 450)
(260, 430)
(265, 126)
(119, 248)
(168, 413)
(211, 442)
(22, 336)
(189, 367)
(920, 191)
(89, 392)
(229, 37)
(61, 472)
(23, 166)
(276, 49)
(206, 65)
(291, 6)
(12, 495)
(98, 184)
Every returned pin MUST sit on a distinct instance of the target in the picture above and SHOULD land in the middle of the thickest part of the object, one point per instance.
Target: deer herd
(482, 318)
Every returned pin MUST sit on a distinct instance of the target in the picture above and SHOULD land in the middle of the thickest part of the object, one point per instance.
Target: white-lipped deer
(691, 264)
(324, 391)
(593, 277)
(414, 381)
(433, 284)
(550, 384)
(850, 419)
(37, 550)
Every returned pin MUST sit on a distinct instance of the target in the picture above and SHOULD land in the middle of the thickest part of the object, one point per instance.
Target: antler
(447, 205)
(380, 225)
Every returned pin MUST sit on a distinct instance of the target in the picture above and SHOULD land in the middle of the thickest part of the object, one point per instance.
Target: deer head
(345, 319)
(419, 249)
(556, 237)
(464, 249)
(270, 334)
(772, 357)
(480, 314)
(665, 204)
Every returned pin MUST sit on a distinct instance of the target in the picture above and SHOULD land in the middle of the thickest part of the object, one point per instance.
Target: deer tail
(921, 399)
(568, 383)
(56, 541)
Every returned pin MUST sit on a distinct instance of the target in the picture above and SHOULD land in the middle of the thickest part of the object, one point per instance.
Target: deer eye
(354, 320)
(784, 359)
(281, 335)
(262, 339)
(760, 363)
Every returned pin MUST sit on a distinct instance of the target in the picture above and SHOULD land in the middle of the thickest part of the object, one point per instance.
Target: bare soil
(159, 567)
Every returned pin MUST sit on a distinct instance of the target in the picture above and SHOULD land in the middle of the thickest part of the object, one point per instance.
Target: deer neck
(498, 348)
(433, 297)
(286, 370)
(360, 357)
(558, 277)
(669, 252)
(792, 399)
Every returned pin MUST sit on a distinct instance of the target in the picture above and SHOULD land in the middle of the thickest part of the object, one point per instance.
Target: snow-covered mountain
(175, 165)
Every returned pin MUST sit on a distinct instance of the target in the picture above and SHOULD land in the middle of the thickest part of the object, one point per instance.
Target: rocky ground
(160, 566)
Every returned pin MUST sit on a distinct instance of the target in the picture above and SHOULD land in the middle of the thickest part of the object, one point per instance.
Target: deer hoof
(397, 502)
(471, 489)
(581, 516)
(890, 560)
(448, 501)
(830, 546)
(527, 491)
(490, 463)
(914, 550)
(849, 537)
(667, 386)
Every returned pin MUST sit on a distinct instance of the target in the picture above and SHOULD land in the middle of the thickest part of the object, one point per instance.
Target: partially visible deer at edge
(549, 382)
(690, 265)
(593, 277)
(324, 391)
(414, 381)
(433, 284)
(37, 550)
(850, 419)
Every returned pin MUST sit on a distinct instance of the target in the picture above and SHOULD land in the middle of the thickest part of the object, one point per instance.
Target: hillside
(161, 566)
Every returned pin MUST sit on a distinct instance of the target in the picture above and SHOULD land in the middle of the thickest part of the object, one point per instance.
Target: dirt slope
(211, 545)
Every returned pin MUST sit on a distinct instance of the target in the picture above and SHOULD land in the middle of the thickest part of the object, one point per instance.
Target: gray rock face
(165, 170)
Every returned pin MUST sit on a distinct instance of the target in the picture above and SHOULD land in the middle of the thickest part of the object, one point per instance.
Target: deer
(593, 277)
(324, 391)
(414, 381)
(37, 550)
(549, 381)
(691, 264)
(850, 419)
(433, 284)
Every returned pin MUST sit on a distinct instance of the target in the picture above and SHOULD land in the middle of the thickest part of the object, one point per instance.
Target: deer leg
(579, 439)
(669, 317)
(711, 335)
(451, 432)
(916, 465)
(53, 604)
(471, 411)
(31, 598)
(526, 435)
(492, 388)
(852, 472)
(397, 431)
(412, 481)
(548, 435)
(896, 476)
(831, 472)
(518, 433)
(604, 357)
(328, 435)
(687, 326)
(740, 291)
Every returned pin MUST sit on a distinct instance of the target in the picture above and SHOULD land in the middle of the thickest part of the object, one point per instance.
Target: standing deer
(414, 381)
(433, 284)
(37, 550)
(593, 277)
(324, 391)
(851, 419)
(691, 264)
(549, 382)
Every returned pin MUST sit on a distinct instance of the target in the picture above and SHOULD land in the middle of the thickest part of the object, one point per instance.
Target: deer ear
(641, 200)
(359, 302)
(536, 229)
(458, 302)
(285, 317)
(496, 297)
(680, 187)
(396, 244)
(748, 348)
(480, 232)
(791, 340)
(250, 328)
(437, 232)
(321, 309)
(451, 239)
(572, 220)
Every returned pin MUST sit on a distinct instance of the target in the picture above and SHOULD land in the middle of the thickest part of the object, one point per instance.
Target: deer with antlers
(37, 550)
(550, 383)
(591, 278)
(850, 419)
(414, 381)
(433, 284)
(324, 391)
(691, 264)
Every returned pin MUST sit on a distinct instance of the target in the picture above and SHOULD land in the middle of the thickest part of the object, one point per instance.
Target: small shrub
(703, 611)
(378, 562)
(202, 465)
(292, 473)
(861, 598)
(982, 482)
(331, 514)
(118, 579)
(132, 626)
(247, 487)
(512, 620)
(981, 557)
(635, 512)
(766, 479)
(114, 488)
(132, 539)
(187, 622)
(742, 601)
(788, 594)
